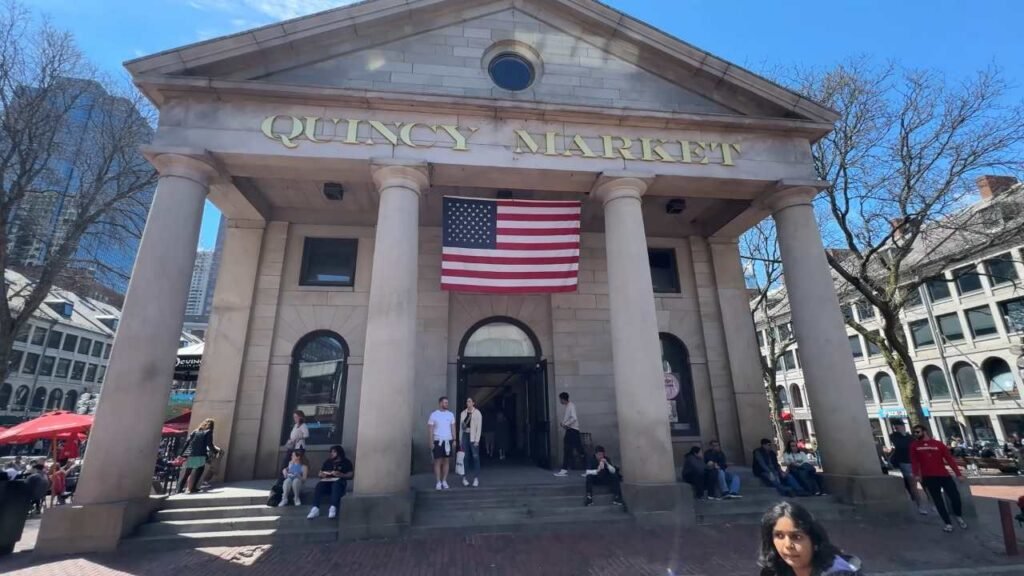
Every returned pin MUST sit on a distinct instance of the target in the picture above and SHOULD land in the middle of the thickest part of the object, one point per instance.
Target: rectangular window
(39, 336)
(328, 262)
(938, 288)
(1001, 269)
(949, 327)
(981, 322)
(865, 311)
(63, 366)
(54, 340)
(46, 368)
(15, 361)
(967, 279)
(90, 373)
(873, 349)
(786, 332)
(1013, 315)
(22, 335)
(664, 273)
(789, 360)
(70, 343)
(760, 339)
(106, 352)
(921, 333)
(84, 345)
(912, 298)
(847, 311)
(855, 348)
(101, 373)
(31, 363)
(97, 349)
(77, 370)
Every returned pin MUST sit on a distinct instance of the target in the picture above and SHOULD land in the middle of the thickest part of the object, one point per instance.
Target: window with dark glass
(865, 311)
(106, 352)
(63, 366)
(1001, 269)
(53, 341)
(981, 321)
(101, 373)
(760, 338)
(90, 373)
(938, 288)
(787, 361)
(71, 401)
(966, 380)
(46, 367)
(664, 273)
(785, 332)
(22, 334)
(38, 399)
(865, 388)
(949, 327)
(873, 349)
(1013, 315)
(921, 333)
(39, 336)
(77, 370)
(15, 360)
(70, 343)
(847, 311)
(938, 389)
(31, 363)
(679, 393)
(21, 397)
(97, 349)
(56, 397)
(886, 390)
(1000, 377)
(317, 387)
(912, 297)
(855, 347)
(967, 279)
(511, 72)
(84, 346)
(328, 262)
(796, 397)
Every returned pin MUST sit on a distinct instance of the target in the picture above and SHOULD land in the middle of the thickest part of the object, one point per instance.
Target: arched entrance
(501, 367)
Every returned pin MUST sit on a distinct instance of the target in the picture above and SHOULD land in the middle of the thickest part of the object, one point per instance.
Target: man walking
(728, 483)
(441, 428)
(928, 460)
(601, 471)
(900, 458)
(571, 442)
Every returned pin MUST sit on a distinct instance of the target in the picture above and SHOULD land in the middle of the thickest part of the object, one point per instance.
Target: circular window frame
(513, 48)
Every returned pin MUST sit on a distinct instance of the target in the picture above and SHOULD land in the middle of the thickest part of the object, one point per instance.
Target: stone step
(247, 511)
(485, 493)
(533, 526)
(579, 514)
(286, 523)
(537, 502)
(175, 503)
(750, 511)
(160, 542)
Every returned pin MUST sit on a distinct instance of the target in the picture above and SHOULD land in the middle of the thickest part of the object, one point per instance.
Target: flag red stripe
(502, 260)
(538, 246)
(538, 231)
(537, 217)
(508, 275)
(505, 289)
(539, 204)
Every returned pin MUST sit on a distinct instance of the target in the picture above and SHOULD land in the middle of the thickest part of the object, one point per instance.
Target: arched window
(499, 340)
(682, 405)
(966, 380)
(938, 389)
(21, 398)
(886, 391)
(5, 395)
(56, 397)
(71, 400)
(865, 388)
(796, 396)
(317, 387)
(999, 377)
(783, 396)
(38, 399)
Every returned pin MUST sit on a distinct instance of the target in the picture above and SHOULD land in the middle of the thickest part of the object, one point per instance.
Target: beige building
(329, 143)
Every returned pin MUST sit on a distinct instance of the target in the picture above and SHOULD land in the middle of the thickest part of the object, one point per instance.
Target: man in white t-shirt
(441, 427)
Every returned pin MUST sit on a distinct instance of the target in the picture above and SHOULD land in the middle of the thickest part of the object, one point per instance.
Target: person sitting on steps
(728, 483)
(334, 476)
(295, 475)
(699, 474)
(601, 471)
(766, 468)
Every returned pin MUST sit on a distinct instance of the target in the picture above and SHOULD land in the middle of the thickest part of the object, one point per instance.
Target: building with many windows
(966, 332)
(197, 290)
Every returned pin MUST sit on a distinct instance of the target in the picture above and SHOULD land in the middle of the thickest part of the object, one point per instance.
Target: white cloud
(272, 9)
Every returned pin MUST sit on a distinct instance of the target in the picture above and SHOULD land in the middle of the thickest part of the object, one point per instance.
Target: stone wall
(432, 344)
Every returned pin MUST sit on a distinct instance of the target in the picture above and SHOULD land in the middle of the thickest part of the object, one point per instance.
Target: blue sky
(954, 37)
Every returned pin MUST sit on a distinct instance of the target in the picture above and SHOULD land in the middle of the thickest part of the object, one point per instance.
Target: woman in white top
(297, 438)
(798, 464)
(470, 425)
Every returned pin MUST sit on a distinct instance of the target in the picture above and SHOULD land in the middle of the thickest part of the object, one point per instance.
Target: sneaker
(617, 501)
(588, 500)
(948, 528)
(284, 502)
(961, 523)
(314, 512)
(476, 482)
(445, 486)
(465, 482)
(922, 511)
(710, 497)
(729, 496)
(298, 502)
(438, 486)
(562, 473)
(584, 475)
(332, 512)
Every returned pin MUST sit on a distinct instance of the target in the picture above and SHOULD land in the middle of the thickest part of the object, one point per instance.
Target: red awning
(182, 419)
(47, 427)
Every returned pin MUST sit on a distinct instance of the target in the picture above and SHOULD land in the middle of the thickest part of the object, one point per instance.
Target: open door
(540, 425)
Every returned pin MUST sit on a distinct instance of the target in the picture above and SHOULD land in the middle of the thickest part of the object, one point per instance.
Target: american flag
(510, 246)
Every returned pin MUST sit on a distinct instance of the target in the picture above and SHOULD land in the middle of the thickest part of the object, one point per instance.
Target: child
(294, 475)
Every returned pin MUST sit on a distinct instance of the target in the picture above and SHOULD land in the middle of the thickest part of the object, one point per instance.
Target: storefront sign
(290, 131)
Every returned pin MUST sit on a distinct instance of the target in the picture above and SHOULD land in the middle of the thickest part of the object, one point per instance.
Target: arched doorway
(501, 367)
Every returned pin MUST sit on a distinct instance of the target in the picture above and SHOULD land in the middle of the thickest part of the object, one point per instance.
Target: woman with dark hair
(793, 543)
(335, 473)
(297, 437)
(799, 465)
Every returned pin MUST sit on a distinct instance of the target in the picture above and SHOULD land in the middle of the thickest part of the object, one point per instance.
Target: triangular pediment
(588, 54)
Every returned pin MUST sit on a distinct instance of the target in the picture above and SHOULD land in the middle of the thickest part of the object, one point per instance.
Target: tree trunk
(902, 366)
(774, 405)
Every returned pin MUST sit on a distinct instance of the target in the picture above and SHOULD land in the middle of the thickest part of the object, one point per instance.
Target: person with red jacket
(928, 460)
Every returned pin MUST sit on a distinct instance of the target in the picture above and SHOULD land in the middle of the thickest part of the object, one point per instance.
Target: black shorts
(439, 450)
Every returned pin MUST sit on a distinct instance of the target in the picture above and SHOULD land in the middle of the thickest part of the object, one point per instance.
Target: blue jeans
(787, 485)
(472, 461)
(728, 482)
(335, 490)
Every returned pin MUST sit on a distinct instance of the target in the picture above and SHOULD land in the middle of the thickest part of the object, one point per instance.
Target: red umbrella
(47, 427)
(172, 431)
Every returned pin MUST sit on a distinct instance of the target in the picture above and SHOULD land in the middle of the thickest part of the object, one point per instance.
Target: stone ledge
(659, 504)
(373, 517)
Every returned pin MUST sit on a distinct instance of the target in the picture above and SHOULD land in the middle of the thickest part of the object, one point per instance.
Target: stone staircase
(757, 498)
(464, 511)
(229, 520)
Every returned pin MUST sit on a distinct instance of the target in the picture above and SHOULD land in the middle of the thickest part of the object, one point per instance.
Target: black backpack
(276, 493)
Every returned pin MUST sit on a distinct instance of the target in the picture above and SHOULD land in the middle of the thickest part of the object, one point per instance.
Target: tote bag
(460, 463)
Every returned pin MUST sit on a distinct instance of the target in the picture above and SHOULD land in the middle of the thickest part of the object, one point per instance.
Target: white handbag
(460, 463)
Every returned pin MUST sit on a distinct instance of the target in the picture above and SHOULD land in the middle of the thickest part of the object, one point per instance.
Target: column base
(653, 504)
(372, 517)
(870, 494)
(92, 528)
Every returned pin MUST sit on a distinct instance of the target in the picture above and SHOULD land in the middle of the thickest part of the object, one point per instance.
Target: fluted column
(387, 394)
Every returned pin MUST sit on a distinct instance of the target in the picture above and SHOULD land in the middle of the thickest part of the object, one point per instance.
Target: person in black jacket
(196, 450)
(766, 468)
(699, 474)
(601, 471)
(900, 458)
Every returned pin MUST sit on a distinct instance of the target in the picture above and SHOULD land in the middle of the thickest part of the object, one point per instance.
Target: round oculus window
(511, 72)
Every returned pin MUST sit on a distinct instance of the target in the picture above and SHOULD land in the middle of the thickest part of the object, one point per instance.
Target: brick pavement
(888, 547)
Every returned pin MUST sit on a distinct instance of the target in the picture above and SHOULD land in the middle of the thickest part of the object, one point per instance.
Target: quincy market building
(329, 143)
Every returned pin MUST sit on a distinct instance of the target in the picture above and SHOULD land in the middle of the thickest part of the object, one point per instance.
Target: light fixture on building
(334, 191)
(675, 206)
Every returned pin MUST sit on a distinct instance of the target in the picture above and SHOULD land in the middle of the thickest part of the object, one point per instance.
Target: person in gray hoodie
(793, 543)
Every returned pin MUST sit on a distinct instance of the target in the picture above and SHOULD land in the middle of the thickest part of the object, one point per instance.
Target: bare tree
(73, 184)
(902, 162)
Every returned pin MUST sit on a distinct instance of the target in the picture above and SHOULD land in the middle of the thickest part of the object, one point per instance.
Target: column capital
(413, 176)
(196, 165)
(788, 193)
(613, 185)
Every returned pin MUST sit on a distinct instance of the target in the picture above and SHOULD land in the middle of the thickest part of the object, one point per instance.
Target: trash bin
(14, 504)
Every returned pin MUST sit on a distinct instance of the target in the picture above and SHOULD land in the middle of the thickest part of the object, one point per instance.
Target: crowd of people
(51, 481)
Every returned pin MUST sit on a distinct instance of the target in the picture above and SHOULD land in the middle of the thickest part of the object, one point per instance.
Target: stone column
(645, 442)
(844, 435)
(387, 394)
(113, 491)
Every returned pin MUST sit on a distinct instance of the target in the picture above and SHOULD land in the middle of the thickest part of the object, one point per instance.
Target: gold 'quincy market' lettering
(291, 130)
